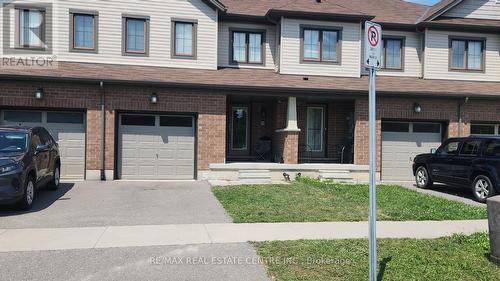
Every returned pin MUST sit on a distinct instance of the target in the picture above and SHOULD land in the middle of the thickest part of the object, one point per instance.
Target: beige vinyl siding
(437, 61)
(291, 51)
(478, 9)
(412, 55)
(225, 42)
(161, 12)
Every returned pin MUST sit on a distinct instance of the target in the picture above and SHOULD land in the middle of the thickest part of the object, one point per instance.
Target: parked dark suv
(29, 159)
(471, 162)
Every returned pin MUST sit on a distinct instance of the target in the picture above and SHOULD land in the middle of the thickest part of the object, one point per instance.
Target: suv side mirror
(433, 151)
(41, 148)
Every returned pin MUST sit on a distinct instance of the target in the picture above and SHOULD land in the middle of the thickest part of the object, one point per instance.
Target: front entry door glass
(239, 128)
(315, 125)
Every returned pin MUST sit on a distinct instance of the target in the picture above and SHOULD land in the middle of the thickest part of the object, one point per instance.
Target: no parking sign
(373, 45)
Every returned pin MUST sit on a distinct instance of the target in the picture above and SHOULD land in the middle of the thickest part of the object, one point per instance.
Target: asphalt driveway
(119, 203)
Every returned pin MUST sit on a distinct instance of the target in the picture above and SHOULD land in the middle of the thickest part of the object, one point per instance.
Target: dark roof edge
(280, 91)
(216, 4)
(440, 11)
(458, 27)
(317, 15)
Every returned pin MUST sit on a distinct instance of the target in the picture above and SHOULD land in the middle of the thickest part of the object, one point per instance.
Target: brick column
(361, 132)
(93, 153)
(287, 140)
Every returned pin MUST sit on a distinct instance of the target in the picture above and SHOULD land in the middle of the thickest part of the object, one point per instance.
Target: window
(451, 148)
(470, 147)
(31, 28)
(247, 47)
(138, 120)
(23, 116)
(13, 142)
(392, 53)
(65, 117)
(83, 30)
(426, 128)
(320, 45)
(184, 39)
(492, 148)
(395, 127)
(176, 121)
(485, 129)
(135, 36)
(467, 54)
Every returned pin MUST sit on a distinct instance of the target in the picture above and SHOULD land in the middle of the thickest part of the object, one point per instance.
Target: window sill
(320, 62)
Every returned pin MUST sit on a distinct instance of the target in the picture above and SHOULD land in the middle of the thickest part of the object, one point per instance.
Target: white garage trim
(401, 142)
(68, 128)
(156, 147)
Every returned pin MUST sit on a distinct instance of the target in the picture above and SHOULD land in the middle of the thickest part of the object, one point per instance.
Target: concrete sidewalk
(40, 239)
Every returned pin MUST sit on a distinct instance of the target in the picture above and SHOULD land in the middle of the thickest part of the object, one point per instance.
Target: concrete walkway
(40, 239)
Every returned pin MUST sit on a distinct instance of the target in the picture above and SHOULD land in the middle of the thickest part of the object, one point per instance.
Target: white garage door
(156, 147)
(67, 128)
(401, 142)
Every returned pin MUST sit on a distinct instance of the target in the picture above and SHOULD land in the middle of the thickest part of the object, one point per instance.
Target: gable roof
(439, 9)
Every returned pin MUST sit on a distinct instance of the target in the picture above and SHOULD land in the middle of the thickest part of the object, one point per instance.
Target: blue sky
(425, 2)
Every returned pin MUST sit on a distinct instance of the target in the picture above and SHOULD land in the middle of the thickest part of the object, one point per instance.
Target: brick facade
(210, 108)
(445, 111)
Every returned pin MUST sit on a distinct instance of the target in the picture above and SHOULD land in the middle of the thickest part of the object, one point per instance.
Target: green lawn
(311, 200)
(453, 258)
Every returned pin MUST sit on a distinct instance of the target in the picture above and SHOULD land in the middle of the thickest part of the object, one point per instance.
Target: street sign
(373, 53)
(373, 45)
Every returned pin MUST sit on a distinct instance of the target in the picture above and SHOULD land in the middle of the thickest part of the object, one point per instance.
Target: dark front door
(315, 144)
(239, 130)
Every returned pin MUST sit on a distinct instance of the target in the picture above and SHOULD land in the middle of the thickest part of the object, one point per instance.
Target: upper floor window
(392, 53)
(320, 45)
(467, 54)
(83, 30)
(135, 35)
(247, 47)
(31, 28)
(184, 43)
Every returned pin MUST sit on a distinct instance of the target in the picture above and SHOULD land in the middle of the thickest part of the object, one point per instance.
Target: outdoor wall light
(153, 98)
(417, 108)
(39, 94)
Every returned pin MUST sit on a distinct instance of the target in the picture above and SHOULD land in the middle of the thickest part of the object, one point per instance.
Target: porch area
(276, 139)
(290, 130)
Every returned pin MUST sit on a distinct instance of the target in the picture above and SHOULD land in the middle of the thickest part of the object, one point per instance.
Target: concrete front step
(336, 175)
(254, 176)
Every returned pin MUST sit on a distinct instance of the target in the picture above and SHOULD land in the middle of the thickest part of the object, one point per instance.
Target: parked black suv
(29, 159)
(471, 162)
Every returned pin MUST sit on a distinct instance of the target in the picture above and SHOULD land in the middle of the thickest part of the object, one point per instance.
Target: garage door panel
(164, 149)
(69, 136)
(399, 149)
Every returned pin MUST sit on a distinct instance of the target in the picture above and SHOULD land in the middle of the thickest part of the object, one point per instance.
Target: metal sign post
(373, 47)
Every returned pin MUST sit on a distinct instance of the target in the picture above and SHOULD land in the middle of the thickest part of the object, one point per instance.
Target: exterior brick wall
(441, 110)
(210, 108)
(288, 144)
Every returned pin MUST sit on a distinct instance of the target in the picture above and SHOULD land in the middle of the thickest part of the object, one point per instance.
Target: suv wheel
(29, 195)
(56, 179)
(422, 178)
(482, 188)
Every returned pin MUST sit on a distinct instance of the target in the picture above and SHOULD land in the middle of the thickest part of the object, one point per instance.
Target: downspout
(103, 132)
